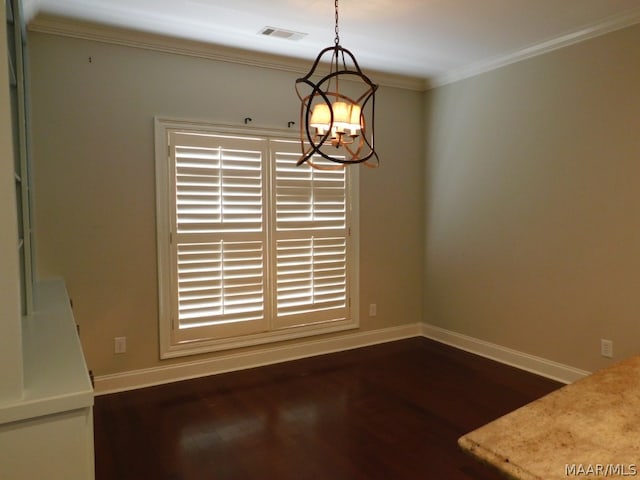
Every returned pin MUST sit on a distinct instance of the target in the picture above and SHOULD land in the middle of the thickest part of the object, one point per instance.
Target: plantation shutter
(251, 248)
(219, 234)
(311, 232)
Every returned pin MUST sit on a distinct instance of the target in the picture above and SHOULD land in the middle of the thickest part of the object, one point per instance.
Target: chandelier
(337, 124)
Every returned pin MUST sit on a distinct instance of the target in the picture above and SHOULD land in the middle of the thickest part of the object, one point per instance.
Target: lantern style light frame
(331, 119)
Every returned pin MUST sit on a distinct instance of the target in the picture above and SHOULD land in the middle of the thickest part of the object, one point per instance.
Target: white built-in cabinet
(46, 395)
(48, 432)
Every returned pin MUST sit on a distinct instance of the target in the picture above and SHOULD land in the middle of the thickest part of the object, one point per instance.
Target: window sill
(207, 346)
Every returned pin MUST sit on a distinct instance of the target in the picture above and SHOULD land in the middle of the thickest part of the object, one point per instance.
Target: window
(251, 248)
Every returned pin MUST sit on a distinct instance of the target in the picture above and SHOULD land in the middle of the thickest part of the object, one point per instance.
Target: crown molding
(63, 26)
(608, 25)
(67, 27)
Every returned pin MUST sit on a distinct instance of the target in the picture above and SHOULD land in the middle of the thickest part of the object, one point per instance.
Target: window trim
(169, 348)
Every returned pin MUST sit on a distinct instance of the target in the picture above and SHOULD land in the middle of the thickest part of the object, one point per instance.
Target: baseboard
(255, 358)
(524, 361)
(269, 355)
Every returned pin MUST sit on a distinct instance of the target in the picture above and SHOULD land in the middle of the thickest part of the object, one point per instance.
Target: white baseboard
(524, 361)
(269, 355)
(255, 358)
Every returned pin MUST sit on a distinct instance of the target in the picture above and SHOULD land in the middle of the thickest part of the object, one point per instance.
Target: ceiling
(430, 39)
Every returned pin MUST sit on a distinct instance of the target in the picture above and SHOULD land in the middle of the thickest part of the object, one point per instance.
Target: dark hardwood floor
(390, 411)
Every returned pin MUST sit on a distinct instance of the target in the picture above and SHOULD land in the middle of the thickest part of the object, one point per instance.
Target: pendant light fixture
(337, 111)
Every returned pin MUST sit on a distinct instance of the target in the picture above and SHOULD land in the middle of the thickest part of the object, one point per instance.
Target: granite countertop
(588, 429)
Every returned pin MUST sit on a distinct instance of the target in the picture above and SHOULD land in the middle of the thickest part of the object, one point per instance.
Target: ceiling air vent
(282, 33)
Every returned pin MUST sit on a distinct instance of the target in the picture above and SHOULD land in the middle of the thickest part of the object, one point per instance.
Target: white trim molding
(608, 25)
(255, 358)
(269, 355)
(523, 361)
(56, 25)
(68, 27)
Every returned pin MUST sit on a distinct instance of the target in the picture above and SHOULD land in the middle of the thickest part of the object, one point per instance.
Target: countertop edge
(494, 461)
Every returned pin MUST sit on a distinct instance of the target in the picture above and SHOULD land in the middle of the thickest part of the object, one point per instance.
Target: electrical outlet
(606, 348)
(373, 310)
(120, 344)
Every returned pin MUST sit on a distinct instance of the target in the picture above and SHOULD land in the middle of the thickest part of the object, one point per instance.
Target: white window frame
(171, 343)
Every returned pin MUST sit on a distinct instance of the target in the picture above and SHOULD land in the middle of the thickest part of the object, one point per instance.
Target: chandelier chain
(337, 39)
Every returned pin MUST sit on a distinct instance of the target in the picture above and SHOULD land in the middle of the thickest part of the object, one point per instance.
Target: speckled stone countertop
(588, 429)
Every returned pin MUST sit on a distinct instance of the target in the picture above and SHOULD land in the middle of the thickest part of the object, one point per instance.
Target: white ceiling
(424, 38)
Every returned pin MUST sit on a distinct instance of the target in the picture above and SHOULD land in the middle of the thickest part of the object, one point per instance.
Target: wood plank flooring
(390, 411)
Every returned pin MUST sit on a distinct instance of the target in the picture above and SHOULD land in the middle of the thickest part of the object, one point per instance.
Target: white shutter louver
(219, 230)
(307, 198)
(311, 275)
(220, 282)
(311, 241)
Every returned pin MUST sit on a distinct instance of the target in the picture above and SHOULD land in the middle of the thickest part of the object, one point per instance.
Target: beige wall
(94, 182)
(533, 199)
